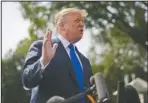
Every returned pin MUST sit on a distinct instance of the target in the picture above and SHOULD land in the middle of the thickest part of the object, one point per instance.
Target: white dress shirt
(65, 43)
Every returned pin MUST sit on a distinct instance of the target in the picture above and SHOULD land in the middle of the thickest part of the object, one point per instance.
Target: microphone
(103, 95)
(56, 99)
(77, 96)
(131, 95)
(98, 86)
(92, 81)
(120, 89)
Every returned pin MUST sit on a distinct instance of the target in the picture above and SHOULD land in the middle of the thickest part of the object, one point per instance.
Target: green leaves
(118, 29)
(11, 81)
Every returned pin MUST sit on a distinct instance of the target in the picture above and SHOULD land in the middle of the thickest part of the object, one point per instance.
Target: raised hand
(48, 51)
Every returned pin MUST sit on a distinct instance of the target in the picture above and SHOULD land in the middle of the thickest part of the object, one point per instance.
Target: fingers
(48, 34)
(45, 42)
(47, 37)
(55, 47)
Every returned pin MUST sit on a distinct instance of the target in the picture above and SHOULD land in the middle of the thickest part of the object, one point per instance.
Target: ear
(62, 26)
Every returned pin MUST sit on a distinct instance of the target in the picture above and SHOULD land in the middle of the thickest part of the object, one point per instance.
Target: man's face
(74, 26)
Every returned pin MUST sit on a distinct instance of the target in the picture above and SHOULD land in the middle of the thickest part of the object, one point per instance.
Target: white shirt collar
(64, 41)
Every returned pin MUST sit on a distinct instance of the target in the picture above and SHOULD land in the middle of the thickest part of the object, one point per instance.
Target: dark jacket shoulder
(40, 42)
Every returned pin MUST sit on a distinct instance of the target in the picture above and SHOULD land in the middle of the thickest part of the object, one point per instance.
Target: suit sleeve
(32, 73)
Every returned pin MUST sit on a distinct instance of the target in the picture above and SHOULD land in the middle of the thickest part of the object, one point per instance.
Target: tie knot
(71, 46)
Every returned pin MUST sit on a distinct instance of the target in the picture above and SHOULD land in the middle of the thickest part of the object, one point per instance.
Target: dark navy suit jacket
(57, 79)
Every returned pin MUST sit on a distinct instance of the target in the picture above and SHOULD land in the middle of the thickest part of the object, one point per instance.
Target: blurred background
(115, 41)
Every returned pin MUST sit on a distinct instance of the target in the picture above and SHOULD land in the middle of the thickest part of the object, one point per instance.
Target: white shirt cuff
(42, 65)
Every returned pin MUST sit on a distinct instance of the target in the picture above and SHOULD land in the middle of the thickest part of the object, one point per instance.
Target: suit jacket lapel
(67, 62)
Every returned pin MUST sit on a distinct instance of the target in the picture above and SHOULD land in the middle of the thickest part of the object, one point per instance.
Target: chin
(78, 39)
(81, 35)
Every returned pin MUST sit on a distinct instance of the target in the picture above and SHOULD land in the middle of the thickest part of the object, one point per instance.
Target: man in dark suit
(55, 67)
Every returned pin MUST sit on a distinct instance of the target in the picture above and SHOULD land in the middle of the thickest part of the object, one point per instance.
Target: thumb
(55, 47)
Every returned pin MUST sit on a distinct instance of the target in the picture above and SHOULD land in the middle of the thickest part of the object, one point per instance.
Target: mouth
(81, 30)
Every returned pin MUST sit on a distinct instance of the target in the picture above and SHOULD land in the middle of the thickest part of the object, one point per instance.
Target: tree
(12, 90)
(12, 64)
(129, 17)
(119, 28)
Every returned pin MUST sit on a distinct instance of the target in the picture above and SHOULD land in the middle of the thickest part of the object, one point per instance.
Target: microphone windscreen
(131, 94)
(55, 99)
(101, 87)
(92, 81)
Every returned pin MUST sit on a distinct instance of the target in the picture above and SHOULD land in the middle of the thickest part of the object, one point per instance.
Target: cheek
(67, 28)
(70, 27)
(74, 25)
(74, 28)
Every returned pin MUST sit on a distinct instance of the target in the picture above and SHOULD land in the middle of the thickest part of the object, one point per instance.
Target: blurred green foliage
(119, 29)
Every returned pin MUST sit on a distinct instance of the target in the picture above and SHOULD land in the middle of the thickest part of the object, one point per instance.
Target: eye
(77, 20)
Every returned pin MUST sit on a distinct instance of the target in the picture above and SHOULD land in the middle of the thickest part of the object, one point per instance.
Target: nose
(82, 23)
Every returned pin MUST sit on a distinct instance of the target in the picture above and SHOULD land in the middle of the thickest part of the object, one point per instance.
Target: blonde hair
(59, 18)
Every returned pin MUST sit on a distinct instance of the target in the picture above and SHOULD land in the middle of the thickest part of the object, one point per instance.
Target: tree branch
(145, 3)
(136, 34)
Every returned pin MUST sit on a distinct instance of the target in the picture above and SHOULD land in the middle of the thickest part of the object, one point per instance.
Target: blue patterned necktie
(77, 69)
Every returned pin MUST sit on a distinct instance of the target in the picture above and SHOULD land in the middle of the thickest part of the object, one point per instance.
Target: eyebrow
(78, 19)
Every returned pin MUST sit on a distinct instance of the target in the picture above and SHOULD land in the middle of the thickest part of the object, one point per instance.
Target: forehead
(73, 16)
